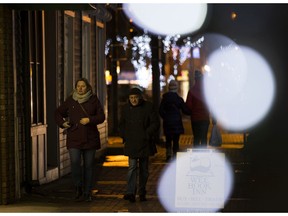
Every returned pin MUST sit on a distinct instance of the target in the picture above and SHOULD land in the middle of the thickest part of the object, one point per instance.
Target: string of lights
(141, 49)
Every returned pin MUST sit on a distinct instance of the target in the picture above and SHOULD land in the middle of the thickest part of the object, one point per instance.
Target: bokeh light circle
(239, 86)
(195, 182)
(167, 19)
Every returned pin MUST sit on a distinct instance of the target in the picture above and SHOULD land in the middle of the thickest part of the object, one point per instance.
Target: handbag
(74, 126)
(215, 138)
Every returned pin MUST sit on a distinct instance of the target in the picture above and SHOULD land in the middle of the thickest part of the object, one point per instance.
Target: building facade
(43, 51)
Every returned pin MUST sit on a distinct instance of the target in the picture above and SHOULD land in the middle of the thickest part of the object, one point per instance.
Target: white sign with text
(200, 179)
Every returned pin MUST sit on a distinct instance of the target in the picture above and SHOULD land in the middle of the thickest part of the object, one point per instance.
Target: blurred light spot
(207, 68)
(167, 19)
(197, 181)
(233, 16)
(239, 88)
(196, 53)
(116, 160)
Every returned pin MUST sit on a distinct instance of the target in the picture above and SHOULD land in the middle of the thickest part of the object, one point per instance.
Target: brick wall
(7, 154)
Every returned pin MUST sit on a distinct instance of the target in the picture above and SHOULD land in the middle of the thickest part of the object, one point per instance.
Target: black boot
(88, 197)
(142, 197)
(79, 192)
(130, 197)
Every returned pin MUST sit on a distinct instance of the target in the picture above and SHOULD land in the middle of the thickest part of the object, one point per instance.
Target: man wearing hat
(170, 111)
(138, 124)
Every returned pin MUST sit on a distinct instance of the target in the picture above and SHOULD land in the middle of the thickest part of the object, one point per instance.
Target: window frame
(69, 35)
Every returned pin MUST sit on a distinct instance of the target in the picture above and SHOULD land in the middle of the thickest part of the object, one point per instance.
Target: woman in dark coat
(79, 115)
(170, 111)
(138, 124)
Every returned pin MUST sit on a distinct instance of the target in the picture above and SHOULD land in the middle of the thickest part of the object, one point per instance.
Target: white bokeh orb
(197, 182)
(167, 19)
(239, 86)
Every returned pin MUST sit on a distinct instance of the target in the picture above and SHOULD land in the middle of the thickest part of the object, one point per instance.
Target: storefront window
(68, 52)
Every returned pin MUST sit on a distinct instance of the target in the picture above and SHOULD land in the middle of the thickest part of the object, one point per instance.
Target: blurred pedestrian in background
(170, 109)
(200, 117)
(79, 115)
(216, 137)
(138, 124)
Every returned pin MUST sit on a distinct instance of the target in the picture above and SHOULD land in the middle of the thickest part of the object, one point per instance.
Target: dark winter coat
(196, 103)
(170, 110)
(81, 136)
(138, 125)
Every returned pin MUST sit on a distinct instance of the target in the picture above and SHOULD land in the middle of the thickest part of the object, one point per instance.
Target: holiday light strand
(141, 49)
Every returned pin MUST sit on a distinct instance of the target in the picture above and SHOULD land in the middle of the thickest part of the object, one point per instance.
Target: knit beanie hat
(173, 86)
(135, 91)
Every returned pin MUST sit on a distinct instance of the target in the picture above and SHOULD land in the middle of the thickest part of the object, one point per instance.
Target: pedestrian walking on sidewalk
(170, 109)
(79, 115)
(138, 124)
(200, 117)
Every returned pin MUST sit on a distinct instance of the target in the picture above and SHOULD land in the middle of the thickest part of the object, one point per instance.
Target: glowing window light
(196, 52)
(184, 54)
(144, 76)
(141, 52)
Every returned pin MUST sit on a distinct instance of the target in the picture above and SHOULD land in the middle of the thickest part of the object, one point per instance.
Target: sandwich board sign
(200, 179)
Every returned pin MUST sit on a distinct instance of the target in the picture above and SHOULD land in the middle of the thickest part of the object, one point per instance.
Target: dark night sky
(263, 27)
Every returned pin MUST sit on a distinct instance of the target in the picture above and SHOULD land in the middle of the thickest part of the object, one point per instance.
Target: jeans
(132, 175)
(200, 131)
(169, 139)
(88, 156)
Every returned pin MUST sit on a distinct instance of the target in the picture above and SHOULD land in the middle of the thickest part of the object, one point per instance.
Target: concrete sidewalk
(110, 184)
(110, 188)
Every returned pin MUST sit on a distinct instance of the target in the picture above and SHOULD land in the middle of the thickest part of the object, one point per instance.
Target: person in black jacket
(138, 124)
(170, 111)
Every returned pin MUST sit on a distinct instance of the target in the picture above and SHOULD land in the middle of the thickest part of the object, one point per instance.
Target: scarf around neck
(82, 98)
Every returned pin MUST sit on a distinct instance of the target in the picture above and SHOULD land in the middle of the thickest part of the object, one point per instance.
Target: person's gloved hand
(84, 121)
(66, 124)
